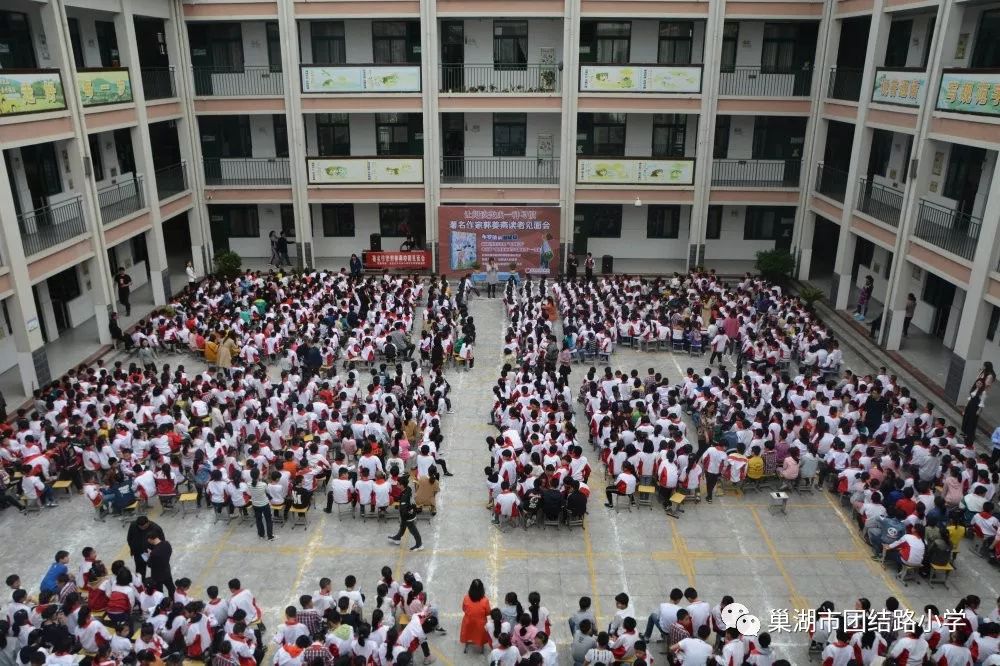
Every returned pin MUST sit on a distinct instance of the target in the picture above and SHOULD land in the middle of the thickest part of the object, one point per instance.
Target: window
(663, 222)
(396, 133)
(226, 136)
(280, 135)
(606, 42)
(768, 222)
(96, 157)
(605, 134)
(16, 50)
(242, 221)
(720, 146)
(338, 220)
(991, 329)
(600, 221)
(287, 212)
(509, 134)
(107, 43)
(778, 137)
(778, 51)
(395, 42)
(730, 40)
(510, 44)
(669, 132)
(986, 52)
(965, 165)
(273, 47)
(225, 45)
(713, 224)
(76, 43)
(675, 43)
(333, 134)
(400, 220)
(328, 44)
(898, 43)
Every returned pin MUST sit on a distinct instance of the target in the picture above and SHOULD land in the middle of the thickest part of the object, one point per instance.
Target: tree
(775, 265)
(228, 264)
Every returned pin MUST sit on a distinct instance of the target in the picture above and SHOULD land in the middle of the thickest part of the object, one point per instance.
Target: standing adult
(159, 563)
(275, 260)
(492, 278)
(261, 503)
(137, 535)
(571, 266)
(407, 515)
(475, 610)
(588, 267)
(124, 283)
(281, 245)
(356, 266)
(192, 276)
(908, 311)
(864, 296)
(970, 413)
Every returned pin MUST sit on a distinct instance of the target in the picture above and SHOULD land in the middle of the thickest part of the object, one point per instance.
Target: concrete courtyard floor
(734, 546)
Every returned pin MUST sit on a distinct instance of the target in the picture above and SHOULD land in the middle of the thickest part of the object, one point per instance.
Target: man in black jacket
(407, 515)
(159, 563)
(138, 544)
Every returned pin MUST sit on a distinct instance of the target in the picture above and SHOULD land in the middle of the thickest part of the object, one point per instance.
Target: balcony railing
(171, 180)
(246, 81)
(880, 201)
(756, 173)
(757, 81)
(158, 82)
(121, 199)
(500, 170)
(845, 83)
(831, 181)
(950, 230)
(500, 78)
(50, 225)
(247, 171)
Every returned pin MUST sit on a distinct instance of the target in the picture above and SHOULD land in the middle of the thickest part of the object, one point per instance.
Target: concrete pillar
(288, 29)
(102, 308)
(805, 232)
(47, 313)
(32, 362)
(159, 273)
(570, 100)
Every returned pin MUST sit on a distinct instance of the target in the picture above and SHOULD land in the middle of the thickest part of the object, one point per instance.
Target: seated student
(506, 504)
(35, 488)
(624, 485)
(755, 465)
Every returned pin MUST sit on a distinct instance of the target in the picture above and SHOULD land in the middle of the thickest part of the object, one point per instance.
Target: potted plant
(775, 265)
(228, 264)
(809, 294)
(547, 79)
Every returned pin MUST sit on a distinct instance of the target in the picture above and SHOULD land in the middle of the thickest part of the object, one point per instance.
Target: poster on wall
(524, 239)
(372, 79)
(624, 171)
(412, 260)
(899, 87)
(966, 91)
(640, 79)
(104, 86)
(357, 170)
(30, 92)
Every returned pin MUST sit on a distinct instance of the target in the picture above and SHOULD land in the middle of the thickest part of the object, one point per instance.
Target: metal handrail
(831, 181)
(880, 201)
(247, 171)
(238, 81)
(158, 82)
(171, 180)
(492, 78)
(48, 226)
(845, 83)
(500, 170)
(948, 229)
(121, 199)
(757, 81)
(756, 173)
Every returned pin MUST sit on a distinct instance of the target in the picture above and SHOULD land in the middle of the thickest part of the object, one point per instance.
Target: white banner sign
(624, 171)
(359, 170)
(640, 79)
(360, 79)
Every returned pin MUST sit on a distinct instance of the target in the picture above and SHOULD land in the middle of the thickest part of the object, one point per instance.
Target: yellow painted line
(683, 555)
(220, 548)
(890, 581)
(798, 601)
(592, 573)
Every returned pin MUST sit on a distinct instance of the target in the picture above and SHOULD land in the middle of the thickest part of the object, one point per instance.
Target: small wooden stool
(188, 503)
(299, 518)
(63, 485)
(676, 500)
(645, 495)
(907, 573)
(939, 574)
(779, 503)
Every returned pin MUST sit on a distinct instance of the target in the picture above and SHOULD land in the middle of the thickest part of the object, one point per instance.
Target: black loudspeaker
(607, 264)
(375, 242)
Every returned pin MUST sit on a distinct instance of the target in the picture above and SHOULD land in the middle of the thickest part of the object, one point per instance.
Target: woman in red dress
(476, 608)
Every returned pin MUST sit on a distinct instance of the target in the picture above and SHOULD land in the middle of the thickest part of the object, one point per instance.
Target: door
(878, 160)
(63, 288)
(41, 172)
(123, 149)
(803, 55)
(107, 43)
(965, 170)
(211, 148)
(219, 225)
(201, 58)
(151, 42)
(453, 55)
(16, 50)
(580, 235)
(453, 146)
(939, 294)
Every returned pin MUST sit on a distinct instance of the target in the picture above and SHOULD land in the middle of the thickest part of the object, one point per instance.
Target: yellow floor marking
(592, 573)
(798, 601)
(682, 553)
(220, 547)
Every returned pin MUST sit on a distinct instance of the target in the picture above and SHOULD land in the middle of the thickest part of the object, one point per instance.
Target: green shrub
(810, 294)
(228, 264)
(775, 265)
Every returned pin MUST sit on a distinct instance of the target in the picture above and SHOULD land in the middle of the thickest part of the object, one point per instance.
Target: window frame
(520, 61)
(287, 225)
(273, 39)
(600, 121)
(333, 46)
(251, 221)
(614, 216)
(510, 122)
(413, 210)
(334, 225)
(782, 49)
(408, 38)
(663, 221)
(331, 125)
(612, 39)
(96, 157)
(673, 42)
(722, 122)
(713, 223)
(229, 47)
(675, 130)
(755, 216)
(731, 42)
(279, 125)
